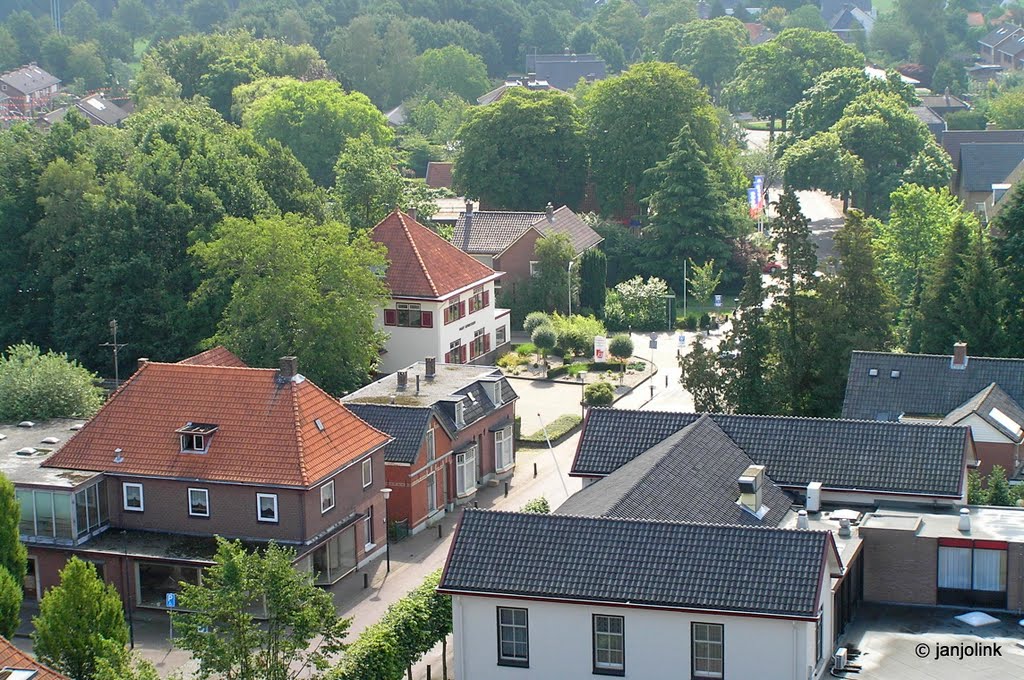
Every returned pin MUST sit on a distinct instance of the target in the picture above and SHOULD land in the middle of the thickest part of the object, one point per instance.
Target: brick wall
(1015, 577)
(899, 566)
(515, 261)
(991, 453)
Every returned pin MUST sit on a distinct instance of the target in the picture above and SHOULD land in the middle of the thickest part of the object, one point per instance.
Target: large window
(456, 353)
(326, 497)
(454, 311)
(266, 507)
(708, 650)
(513, 637)
(408, 315)
(481, 299)
(199, 502)
(481, 343)
(503, 449)
(333, 559)
(609, 645)
(465, 471)
(431, 445)
(500, 336)
(91, 508)
(155, 579)
(132, 495)
(45, 515)
(972, 572)
(431, 492)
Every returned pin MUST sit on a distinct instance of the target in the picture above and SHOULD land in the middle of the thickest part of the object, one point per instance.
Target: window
(454, 311)
(481, 299)
(503, 449)
(327, 497)
(513, 637)
(266, 507)
(431, 492)
(45, 515)
(195, 437)
(367, 472)
(195, 443)
(533, 267)
(873, 372)
(894, 374)
(457, 353)
(368, 527)
(199, 502)
(409, 315)
(707, 648)
(133, 497)
(91, 508)
(431, 445)
(465, 471)
(819, 632)
(500, 336)
(609, 645)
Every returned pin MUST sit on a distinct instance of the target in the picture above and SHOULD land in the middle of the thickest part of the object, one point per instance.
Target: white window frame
(465, 471)
(368, 529)
(430, 482)
(367, 470)
(124, 497)
(503, 441)
(205, 492)
(192, 439)
(431, 444)
(325, 490)
(533, 267)
(695, 659)
(511, 627)
(259, 507)
(605, 636)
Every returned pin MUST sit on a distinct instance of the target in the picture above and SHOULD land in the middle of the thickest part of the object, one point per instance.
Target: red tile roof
(422, 263)
(439, 175)
(12, 657)
(215, 356)
(266, 428)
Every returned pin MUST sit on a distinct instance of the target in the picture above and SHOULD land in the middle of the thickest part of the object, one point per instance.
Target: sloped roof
(850, 19)
(691, 476)
(564, 71)
(999, 34)
(942, 101)
(407, 424)
(927, 385)
(1012, 47)
(841, 454)
(267, 428)
(28, 79)
(101, 109)
(755, 570)
(439, 175)
(423, 264)
(996, 408)
(215, 356)
(491, 232)
(982, 165)
(12, 657)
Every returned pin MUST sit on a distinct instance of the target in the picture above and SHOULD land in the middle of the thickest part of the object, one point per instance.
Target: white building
(442, 300)
(570, 597)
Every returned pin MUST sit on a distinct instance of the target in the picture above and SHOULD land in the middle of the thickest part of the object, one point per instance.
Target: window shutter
(487, 342)
(447, 316)
(487, 298)
(462, 309)
(427, 319)
(390, 317)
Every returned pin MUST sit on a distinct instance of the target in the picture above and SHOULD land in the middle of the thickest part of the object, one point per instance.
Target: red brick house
(14, 660)
(185, 452)
(29, 89)
(452, 433)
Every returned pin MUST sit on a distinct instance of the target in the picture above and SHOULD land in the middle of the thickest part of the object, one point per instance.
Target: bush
(621, 347)
(637, 304)
(599, 394)
(544, 338)
(535, 320)
(538, 506)
(526, 349)
(688, 322)
(705, 321)
(576, 333)
(511, 360)
(37, 386)
(559, 427)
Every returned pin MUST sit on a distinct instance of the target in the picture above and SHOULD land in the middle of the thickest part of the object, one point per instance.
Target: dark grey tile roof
(841, 454)
(1012, 47)
(831, 8)
(28, 79)
(491, 232)
(565, 71)
(407, 424)
(982, 165)
(101, 110)
(926, 384)
(999, 34)
(665, 564)
(952, 140)
(691, 476)
(989, 404)
(941, 102)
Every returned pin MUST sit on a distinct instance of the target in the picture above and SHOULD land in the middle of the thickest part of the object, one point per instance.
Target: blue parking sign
(171, 600)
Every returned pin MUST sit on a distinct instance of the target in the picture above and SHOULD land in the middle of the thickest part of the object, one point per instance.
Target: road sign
(682, 340)
(653, 344)
(718, 301)
(171, 600)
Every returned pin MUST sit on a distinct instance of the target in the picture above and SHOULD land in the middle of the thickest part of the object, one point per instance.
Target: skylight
(1006, 421)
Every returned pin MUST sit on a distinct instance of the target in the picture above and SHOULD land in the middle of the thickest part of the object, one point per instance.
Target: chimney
(469, 207)
(959, 360)
(965, 521)
(430, 367)
(411, 212)
(550, 209)
(801, 520)
(403, 380)
(469, 216)
(844, 528)
(142, 362)
(460, 414)
(289, 368)
(750, 483)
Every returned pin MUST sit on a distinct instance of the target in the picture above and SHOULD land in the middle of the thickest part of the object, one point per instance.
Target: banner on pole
(600, 348)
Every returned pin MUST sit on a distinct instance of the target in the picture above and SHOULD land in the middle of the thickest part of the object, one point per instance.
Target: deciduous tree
(34, 385)
(711, 50)
(452, 69)
(368, 186)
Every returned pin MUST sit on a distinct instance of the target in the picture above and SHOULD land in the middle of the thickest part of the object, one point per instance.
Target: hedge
(559, 427)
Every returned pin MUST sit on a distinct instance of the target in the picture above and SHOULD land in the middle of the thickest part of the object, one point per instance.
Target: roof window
(873, 372)
(319, 424)
(195, 437)
(894, 374)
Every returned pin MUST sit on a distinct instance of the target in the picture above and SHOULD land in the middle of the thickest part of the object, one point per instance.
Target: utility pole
(55, 15)
(116, 347)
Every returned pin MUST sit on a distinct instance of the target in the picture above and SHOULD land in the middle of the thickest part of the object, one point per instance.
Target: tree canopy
(34, 385)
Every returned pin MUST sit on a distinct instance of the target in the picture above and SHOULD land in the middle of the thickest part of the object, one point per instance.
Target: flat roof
(448, 379)
(824, 521)
(26, 470)
(987, 523)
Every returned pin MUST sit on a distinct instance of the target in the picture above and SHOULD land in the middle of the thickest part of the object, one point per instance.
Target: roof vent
(76, 427)
(50, 440)
(894, 374)
(26, 423)
(873, 372)
(550, 210)
(118, 457)
(844, 528)
(801, 520)
(27, 451)
(958, 361)
(965, 521)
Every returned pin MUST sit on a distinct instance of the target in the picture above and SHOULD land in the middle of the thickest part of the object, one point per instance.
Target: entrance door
(31, 583)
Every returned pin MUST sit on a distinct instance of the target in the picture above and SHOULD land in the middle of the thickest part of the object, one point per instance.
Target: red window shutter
(462, 353)
(390, 317)
(427, 319)
(487, 298)
(447, 316)
(487, 342)
(462, 309)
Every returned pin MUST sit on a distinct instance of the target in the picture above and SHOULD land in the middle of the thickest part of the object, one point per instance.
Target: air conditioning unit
(839, 659)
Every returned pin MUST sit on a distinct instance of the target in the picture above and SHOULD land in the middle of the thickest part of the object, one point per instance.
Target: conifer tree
(937, 325)
(1009, 253)
(977, 303)
(748, 389)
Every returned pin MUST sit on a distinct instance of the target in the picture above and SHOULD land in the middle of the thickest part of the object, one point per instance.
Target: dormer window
(195, 437)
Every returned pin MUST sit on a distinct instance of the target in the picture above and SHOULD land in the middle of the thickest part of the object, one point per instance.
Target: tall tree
(1009, 252)
(13, 559)
(37, 386)
(452, 69)
(937, 324)
(219, 629)
(593, 280)
(368, 186)
(711, 50)
(555, 282)
(80, 621)
(978, 301)
(10, 604)
(749, 387)
(702, 377)
(522, 151)
(295, 287)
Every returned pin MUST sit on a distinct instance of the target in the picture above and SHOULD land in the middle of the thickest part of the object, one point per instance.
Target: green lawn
(692, 307)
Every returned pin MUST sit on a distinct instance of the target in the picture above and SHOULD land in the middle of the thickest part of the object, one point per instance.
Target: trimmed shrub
(538, 506)
(535, 320)
(599, 394)
(559, 427)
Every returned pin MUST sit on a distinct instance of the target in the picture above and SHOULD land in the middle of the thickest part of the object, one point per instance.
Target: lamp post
(569, 273)
(387, 527)
(583, 394)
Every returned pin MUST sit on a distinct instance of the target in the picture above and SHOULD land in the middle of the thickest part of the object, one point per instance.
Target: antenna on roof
(115, 346)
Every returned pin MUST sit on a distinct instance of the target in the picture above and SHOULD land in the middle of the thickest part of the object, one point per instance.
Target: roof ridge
(767, 416)
(937, 356)
(297, 424)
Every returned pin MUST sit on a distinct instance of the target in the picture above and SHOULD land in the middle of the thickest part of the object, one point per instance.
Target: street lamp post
(583, 394)
(569, 273)
(387, 527)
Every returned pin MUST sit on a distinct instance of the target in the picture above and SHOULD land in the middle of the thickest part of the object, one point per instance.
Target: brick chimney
(289, 368)
(430, 369)
(403, 379)
(959, 360)
(750, 483)
(411, 212)
(469, 216)
(550, 210)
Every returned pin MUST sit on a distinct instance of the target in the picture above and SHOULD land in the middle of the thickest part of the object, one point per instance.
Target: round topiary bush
(535, 320)
(599, 394)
